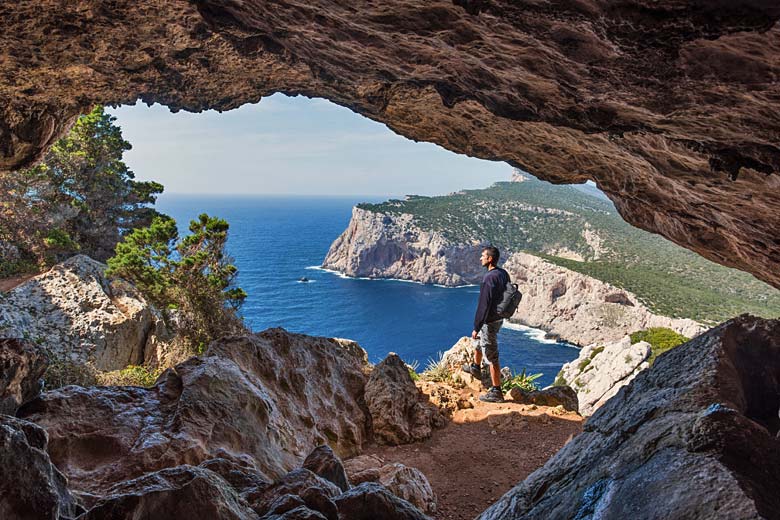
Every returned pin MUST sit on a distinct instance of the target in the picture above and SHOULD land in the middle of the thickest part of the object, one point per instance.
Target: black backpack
(510, 300)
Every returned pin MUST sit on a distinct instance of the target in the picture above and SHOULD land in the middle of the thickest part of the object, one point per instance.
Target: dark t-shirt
(493, 285)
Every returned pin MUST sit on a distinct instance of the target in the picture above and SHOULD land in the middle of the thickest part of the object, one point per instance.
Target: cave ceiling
(672, 107)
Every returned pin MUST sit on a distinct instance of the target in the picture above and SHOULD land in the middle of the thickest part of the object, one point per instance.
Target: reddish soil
(6, 284)
(483, 452)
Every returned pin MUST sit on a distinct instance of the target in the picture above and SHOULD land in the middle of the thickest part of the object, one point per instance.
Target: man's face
(484, 259)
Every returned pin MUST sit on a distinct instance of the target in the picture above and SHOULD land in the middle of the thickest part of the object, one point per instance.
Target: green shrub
(521, 381)
(193, 275)
(412, 367)
(661, 340)
(132, 375)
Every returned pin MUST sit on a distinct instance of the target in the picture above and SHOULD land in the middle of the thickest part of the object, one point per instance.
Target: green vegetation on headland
(550, 221)
(661, 340)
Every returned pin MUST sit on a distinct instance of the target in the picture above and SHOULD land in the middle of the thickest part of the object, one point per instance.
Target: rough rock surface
(375, 245)
(21, 368)
(697, 432)
(263, 401)
(399, 412)
(670, 107)
(372, 501)
(180, 492)
(581, 309)
(401, 480)
(78, 315)
(316, 494)
(31, 488)
(601, 370)
(553, 396)
(326, 464)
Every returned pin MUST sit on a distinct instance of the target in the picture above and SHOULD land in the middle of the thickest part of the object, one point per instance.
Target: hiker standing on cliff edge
(487, 323)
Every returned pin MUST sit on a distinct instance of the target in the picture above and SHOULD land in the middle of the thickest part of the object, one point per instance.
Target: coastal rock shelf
(670, 107)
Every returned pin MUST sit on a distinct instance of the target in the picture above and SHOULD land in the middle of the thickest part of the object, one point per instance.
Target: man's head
(489, 256)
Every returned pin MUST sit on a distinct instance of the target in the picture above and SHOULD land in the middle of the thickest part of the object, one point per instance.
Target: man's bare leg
(495, 374)
(495, 369)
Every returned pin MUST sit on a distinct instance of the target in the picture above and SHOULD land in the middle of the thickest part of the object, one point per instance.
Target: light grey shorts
(488, 339)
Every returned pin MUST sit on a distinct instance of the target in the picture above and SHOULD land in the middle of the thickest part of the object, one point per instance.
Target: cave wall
(672, 107)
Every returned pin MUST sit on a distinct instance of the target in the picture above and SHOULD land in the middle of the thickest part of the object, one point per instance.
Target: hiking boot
(473, 370)
(494, 395)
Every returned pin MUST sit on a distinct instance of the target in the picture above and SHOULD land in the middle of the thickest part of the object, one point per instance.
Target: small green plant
(661, 340)
(522, 381)
(436, 370)
(560, 380)
(133, 375)
(412, 367)
(586, 362)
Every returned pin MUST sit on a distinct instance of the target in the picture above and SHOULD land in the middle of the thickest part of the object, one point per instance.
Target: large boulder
(372, 501)
(405, 482)
(299, 487)
(400, 413)
(327, 465)
(264, 401)
(601, 370)
(80, 316)
(21, 367)
(180, 492)
(31, 487)
(692, 437)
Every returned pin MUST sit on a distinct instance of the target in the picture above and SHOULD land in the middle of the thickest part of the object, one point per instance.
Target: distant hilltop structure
(519, 175)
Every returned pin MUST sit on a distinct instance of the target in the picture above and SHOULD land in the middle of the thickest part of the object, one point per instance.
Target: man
(487, 323)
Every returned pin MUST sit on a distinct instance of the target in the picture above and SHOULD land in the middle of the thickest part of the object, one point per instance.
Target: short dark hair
(493, 253)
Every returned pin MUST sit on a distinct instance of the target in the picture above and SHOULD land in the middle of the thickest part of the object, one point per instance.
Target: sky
(290, 146)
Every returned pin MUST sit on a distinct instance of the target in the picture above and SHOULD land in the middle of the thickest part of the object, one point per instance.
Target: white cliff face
(601, 370)
(376, 245)
(77, 314)
(581, 309)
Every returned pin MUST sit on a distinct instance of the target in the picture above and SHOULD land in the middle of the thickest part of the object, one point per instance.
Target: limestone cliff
(376, 245)
(581, 309)
(576, 307)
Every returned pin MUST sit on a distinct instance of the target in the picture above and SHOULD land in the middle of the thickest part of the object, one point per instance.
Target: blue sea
(277, 240)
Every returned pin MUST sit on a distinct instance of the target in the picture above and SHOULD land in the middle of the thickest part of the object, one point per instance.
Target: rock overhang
(670, 106)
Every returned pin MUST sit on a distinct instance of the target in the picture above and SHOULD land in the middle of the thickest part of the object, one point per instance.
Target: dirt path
(6, 284)
(484, 452)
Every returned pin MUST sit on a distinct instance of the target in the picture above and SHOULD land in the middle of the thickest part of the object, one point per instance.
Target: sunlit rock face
(671, 106)
(263, 401)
